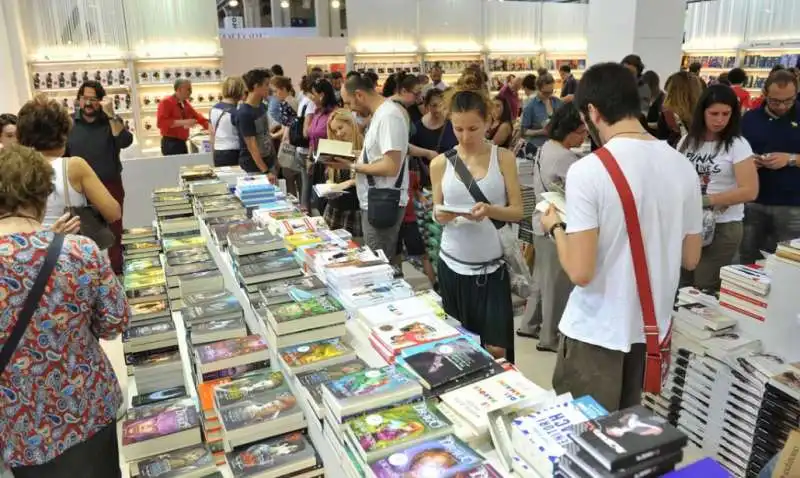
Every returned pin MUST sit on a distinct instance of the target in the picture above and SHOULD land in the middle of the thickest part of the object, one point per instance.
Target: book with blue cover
(443, 457)
(705, 468)
(369, 389)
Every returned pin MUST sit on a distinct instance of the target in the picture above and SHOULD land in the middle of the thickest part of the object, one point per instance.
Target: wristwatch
(793, 160)
(558, 225)
(353, 168)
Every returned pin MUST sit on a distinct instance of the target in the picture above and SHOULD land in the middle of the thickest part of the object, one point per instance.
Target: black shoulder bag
(469, 181)
(383, 204)
(296, 137)
(31, 302)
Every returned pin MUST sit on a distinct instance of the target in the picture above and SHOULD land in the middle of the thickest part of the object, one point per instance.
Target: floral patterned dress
(59, 388)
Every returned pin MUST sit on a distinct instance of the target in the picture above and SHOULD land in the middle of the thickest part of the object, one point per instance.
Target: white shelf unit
(384, 64)
(328, 63)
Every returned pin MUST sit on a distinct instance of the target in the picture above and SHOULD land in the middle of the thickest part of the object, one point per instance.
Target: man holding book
(381, 171)
(602, 352)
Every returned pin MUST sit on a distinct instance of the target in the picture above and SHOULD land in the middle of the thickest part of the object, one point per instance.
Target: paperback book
(369, 389)
(280, 292)
(195, 461)
(231, 353)
(446, 360)
(159, 396)
(394, 337)
(316, 355)
(280, 456)
(231, 392)
(315, 312)
(441, 457)
(162, 426)
(313, 381)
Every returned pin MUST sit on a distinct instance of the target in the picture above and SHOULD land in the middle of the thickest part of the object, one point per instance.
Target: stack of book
(444, 456)
(189, 462)
(141, 250)
(366, 391)
(223, 206)
(145, 285)
(171, 393)
(630, 442)
(283, 291)
(160, 427)
(298, 225)
(305, 320)
(745, 290)
(156, 370)
(254, 191)
(789, 251)
(374, 294)
(230, 358)
(315, 355)
(208, 187)
(390, 339)
(311, 382)
(353, 269)
(138, 234)
(291, 455)
(184, 263)
(271, 218)
(179, 227)
(702, 322)
(258, 257)
(149, 335)
(425, 304)
(229, 174)
(256, 407)
(217, 317)
(171, 202)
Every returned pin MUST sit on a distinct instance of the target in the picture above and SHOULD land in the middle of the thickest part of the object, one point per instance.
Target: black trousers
(97, 457)
(173, 146)
(226, 157)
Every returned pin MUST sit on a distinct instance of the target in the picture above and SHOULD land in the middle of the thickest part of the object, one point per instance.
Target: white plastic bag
(521, 280)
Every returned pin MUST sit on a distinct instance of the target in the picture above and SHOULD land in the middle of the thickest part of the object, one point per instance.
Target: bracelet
(792, 160)
(558, 225)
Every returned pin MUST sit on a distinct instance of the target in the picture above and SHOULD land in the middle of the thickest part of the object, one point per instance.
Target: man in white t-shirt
(602, 351)
(381, 164)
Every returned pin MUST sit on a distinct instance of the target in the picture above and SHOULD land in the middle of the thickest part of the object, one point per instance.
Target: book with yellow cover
(183, 243)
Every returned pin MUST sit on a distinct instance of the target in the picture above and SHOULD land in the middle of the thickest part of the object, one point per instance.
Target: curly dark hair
(43, 124)
(99, 91)
(26, 182)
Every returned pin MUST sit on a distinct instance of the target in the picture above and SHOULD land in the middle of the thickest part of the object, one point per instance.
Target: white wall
(13, 67)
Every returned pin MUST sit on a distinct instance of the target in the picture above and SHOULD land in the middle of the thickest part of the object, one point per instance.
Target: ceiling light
(284, 3)
(233, 3)
(335, 4)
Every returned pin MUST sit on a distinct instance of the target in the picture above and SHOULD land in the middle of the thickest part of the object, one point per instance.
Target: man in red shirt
(738, 77)
(511, 94)
(174, 118)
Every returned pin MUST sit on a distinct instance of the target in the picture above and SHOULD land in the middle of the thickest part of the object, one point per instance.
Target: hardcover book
(441, 457)
(281, 456)
(440, 362)
(170, 420)
(628, 437)
(189, 461)
(313, 380)
(381, 434)
(304, 356)
(243, 388)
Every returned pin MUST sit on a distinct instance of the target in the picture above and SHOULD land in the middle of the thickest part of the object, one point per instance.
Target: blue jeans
(765, 226)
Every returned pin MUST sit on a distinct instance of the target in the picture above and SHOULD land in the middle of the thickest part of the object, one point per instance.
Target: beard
(89, 111)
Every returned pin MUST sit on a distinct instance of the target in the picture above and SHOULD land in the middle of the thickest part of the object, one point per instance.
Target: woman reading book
(473, 280)
(343, 211)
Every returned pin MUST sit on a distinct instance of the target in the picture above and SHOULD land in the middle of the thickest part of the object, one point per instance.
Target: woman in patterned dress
(58, 392)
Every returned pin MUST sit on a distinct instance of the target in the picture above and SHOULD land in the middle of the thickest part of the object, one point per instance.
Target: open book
(558, 200)
(328, 149)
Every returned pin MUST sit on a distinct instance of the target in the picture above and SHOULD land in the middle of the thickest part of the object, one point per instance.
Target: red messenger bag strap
(657, 362)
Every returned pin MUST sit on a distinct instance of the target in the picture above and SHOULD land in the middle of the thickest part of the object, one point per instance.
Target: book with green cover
(381, 434)
(183, 243)
(138, 265)
(145, 278)
(316, 355)
(315, 312)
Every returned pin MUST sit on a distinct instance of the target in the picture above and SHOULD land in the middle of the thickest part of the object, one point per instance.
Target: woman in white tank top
(44, 126)
(473, 281)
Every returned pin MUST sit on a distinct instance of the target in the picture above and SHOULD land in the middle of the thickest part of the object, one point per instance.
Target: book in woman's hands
(453, 209)
(327, 149)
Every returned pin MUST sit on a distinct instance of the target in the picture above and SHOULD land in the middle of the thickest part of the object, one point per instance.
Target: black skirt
(482, 303)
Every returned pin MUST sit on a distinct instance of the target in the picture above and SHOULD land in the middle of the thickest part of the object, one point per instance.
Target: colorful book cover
(261, 408)
(314, 379)
(153, 357)
(159, 396)
(155, 426)
(444, 457)
(183, 243)
(153, 409)
(225, 349)
(392, 312)
(234, 372)
(225, 304)
(148, 330)
(395, 426)
(258, 458)
(440, 362)
(245, 387)
(385, 380)
(264, 257)
(151, 307)
(314, 352)
(140, 265)
(215, 326)
(187, 256)
(178, 463)
(277, 292)
(145, 278)
(373, 294)
(143, 246)
(308, 308)
(408, 333)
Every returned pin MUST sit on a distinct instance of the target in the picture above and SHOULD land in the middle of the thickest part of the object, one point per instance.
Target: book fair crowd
(642, 188)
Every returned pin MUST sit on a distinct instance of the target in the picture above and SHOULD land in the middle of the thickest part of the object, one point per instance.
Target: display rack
(135, 85)
(328, 64)
(451, 63)
(500, 65)
(384, 64)
(555, 60)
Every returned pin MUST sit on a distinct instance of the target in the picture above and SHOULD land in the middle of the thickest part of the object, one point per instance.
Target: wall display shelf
(329, 64)
(452, 63)
(134, 85)
(502, 65)
(555, 60)
(384, 64)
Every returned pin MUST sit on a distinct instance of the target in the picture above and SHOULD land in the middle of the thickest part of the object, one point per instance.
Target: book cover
(314, 379)
(243, 388)
(385, 380)
(234, 372)
(138, 231)
(178, 463)
(159, 396)
(314, 352)
(147, 330)
(225, 349)
(187, 256)
(278, 292)
(149, 308)
(140, 265)
(270, 454)
(259, 409)
(628, 437)
(446, 361)
(280, 264)
(183, 243)
(399, 425)
(276, 256)
(379, 293)
(215, 326)
(308, 308)
(153, 357)
(143, 246)
(162, 424)
(253, 238)
(218, 304)
(442, 458)
(408, 333)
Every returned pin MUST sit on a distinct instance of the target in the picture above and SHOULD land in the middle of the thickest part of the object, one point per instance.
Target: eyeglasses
(91, 99)
(786, 102)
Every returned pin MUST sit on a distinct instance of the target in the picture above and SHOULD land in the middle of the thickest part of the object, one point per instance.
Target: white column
(322, 15)
(280, 16)
(13, 67)
(652, 29)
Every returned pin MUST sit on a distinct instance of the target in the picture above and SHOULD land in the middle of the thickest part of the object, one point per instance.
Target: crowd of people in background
(712, 172)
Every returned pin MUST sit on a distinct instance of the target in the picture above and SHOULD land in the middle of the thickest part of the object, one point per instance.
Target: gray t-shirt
(550, 167)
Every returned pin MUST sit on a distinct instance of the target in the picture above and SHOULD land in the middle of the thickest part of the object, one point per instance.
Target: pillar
(13, 68)
(322, 15)
(280, 16)
(251, 11)
(652, 29)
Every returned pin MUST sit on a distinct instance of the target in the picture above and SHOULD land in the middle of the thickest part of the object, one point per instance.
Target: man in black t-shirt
(257, 153)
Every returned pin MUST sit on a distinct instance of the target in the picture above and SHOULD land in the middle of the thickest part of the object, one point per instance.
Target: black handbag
(31, 301)
(383, 204)
(296, 137)
(93, 225)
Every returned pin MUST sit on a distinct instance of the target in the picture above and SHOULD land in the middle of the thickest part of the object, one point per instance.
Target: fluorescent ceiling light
(285, 4)
(335, 4)
(233, 3)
